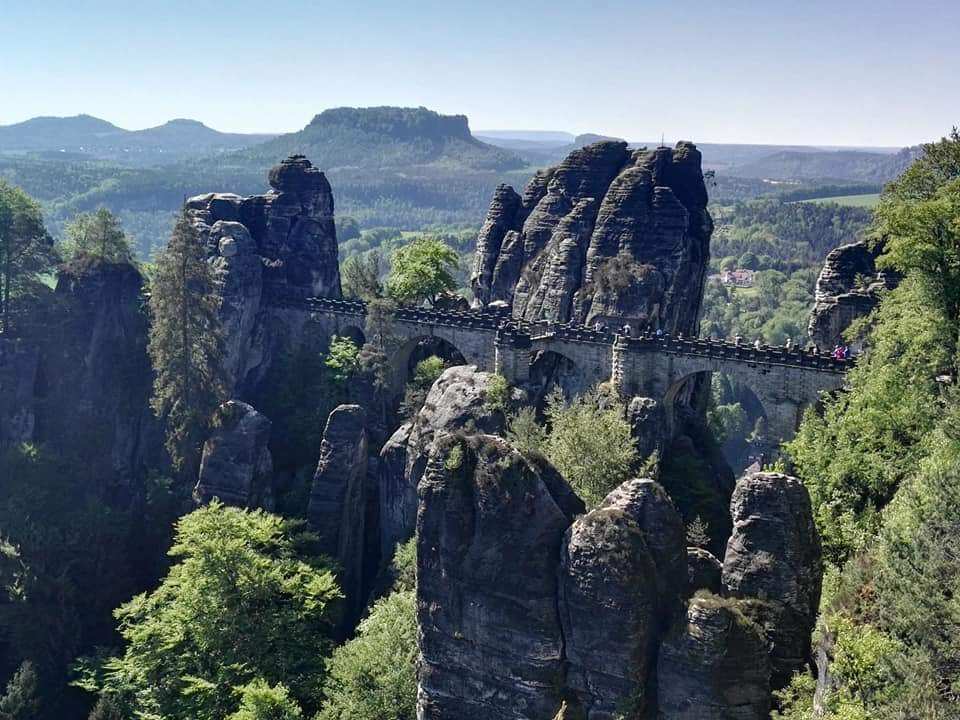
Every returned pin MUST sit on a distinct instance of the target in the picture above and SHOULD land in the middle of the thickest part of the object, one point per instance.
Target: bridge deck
(716, 348)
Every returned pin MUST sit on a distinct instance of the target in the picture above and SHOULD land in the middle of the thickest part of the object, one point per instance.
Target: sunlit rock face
(610, 235)
(848, 288)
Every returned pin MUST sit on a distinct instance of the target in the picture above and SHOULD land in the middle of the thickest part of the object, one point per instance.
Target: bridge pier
(512, 356)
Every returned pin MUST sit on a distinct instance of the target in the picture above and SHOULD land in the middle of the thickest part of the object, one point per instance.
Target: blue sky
(845, 72)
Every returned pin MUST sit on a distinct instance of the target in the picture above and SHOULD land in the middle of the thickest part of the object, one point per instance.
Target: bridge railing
(570, 332)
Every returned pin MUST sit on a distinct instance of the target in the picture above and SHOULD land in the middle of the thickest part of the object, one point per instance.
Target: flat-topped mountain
(385, 137)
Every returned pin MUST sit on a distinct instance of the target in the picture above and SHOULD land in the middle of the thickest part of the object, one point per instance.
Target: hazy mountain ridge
(93, 138)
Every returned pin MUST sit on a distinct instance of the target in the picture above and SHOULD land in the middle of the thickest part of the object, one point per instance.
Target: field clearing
(867, 201)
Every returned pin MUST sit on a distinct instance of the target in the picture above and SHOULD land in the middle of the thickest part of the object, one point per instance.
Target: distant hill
(384, 137)
(851, 165)
(85, 136)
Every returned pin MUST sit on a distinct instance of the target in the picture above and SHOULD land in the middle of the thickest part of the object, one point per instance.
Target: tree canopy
(422, 270)
(247, 601)
(26, 250)
(97, 235)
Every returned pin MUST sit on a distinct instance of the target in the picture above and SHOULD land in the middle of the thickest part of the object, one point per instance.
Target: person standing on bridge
(756, 344)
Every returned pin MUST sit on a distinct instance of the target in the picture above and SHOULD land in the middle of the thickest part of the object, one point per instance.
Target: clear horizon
(867, 74)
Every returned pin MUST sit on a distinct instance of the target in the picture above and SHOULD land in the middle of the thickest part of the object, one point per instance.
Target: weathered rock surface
(337, 507)
(704, 571)
(609, 235)
(280, 244)
(19, 366)
(773, 555)
(713, 665)
(848, 288)
(96, 374)
(648, 425)
(457, 402)
(489, 531)
(236, 466)
(622, 575)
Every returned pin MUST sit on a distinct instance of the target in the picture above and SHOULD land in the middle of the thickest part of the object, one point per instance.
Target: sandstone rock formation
(704, 571)
(848, 288)
(647, 425)
(292, 226)
(96, 374)
(236, 466)
(610, 235)
(337, 507)
(713, 665)
(265, 247)
(19, 366)
(489, 530)
(773, 555)
(622, 575)
(456, 402)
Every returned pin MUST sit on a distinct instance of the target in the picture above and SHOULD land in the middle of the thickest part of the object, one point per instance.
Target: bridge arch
(551, 369)
(412, 350)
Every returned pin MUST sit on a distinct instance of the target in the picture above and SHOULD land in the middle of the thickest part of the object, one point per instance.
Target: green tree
(21, 701)
(260, 701)
(246, 600)
(186, 343)
(422, 270)
(374, 675)
(590, 443)
(342, 359)
(748, 261)
(424, 376)
(26, 249)
(360, 276)
(97, 235)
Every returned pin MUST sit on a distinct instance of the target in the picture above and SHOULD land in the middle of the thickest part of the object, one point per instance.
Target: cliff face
(281, 243)
(848, 287)
(610, 235)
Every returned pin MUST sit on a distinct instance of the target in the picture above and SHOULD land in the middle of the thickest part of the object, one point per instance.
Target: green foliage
(26, 250)
(424, 376)
(246, 600)
(186, 343)
(342, 359)
(21, 700)
(590, 443)
(698, 533)
(374, 675)
(525, 432)
(422, 270)
(360, 276)
(99, 236)
(498, 393)
(67, 558)
(260, 701)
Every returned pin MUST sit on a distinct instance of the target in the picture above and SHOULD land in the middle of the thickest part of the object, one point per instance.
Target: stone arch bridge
(784, 381)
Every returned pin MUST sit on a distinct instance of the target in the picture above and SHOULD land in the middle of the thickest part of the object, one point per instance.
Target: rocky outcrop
(647, 425)
(236, 466)
(489, 530)
(337, 507)
(773, 556)
(95, 375)
(622, 576)
(264, 247)
(713, 665)
(610, 235)
(704, 571)
(457, 402)
(848, 288)
(19, 367)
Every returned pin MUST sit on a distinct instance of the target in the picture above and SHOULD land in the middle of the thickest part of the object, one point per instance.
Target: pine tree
(26, 249)
(98, 235)
(21, 701)
(186, 343)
